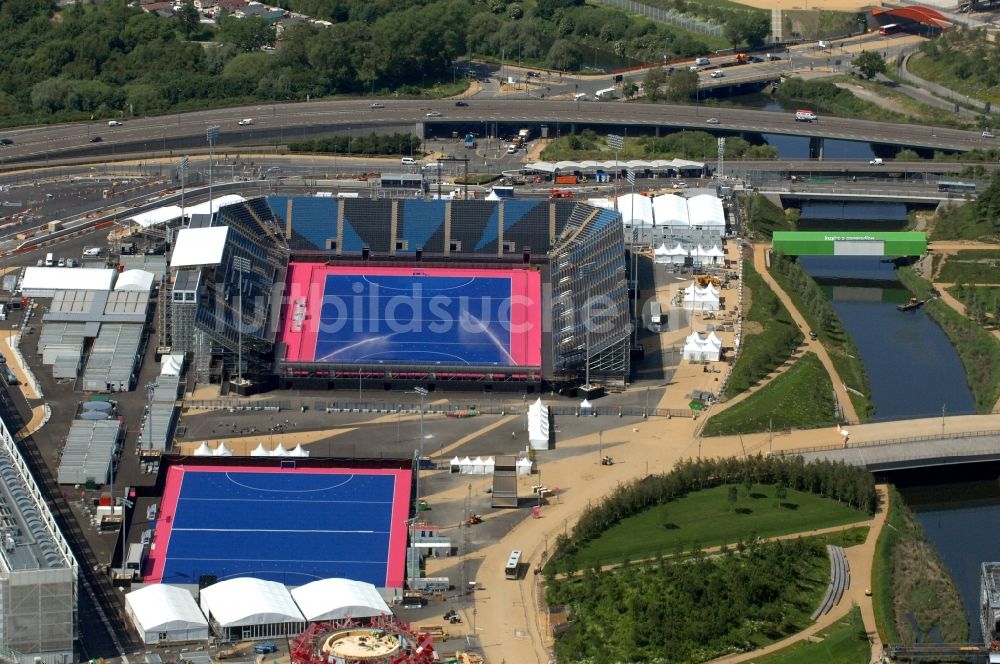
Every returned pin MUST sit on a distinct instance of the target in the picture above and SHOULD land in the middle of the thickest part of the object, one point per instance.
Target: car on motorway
(755, 58)
(6, 141)
(712, 121)
(115, 123)
(877, 161)
(245, 122)
(96, 139)
(718, 73)
(461, 103)
(987, 134)
(512, 148)
(265, 647)
(701, 62)
(668, 70)
(434, 114)
(92, 251)
(377, 104)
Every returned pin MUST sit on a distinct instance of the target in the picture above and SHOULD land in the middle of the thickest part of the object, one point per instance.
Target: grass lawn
(971, 267)
(707, 517)
(770, 335)
(800, 397)
(844, 642)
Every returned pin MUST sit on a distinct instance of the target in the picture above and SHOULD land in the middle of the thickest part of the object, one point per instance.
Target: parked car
(115, 123)
(434, 114)
(96, 139)
(712, 121)
(461, 103)
(265, 647)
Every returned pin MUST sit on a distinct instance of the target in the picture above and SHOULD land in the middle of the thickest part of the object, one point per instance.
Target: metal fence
(448, 409)
(667, 16)
(895, 441)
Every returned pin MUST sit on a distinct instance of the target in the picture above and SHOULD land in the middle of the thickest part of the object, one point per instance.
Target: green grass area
(915, 110)
(985, 298)
(973, 220)
(801, 397)
(839, 346)
(976, 266)
(764, 217)
(826, 97)
(978, 349)
(940, 67)
(819, 24)
(908, 579)
(844, 642)
(707, 517)
(770, 335)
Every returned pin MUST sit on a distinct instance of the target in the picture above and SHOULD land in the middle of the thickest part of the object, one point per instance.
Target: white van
(50, 260)
(701, 62)
(408, 161)
(92, 251)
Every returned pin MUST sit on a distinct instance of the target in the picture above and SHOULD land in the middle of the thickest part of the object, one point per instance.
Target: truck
(805, 115)
(524, 135)
(566, 179)
(470, 140)
(655, 316)
(741, 59)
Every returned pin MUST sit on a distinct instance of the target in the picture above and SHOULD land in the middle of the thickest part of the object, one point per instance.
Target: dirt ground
(835, 5)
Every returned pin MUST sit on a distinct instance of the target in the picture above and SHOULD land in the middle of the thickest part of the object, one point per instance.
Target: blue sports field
(415, 319)
(285, 525)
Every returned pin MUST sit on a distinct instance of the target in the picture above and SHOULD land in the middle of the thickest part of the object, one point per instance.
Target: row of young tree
(693, 611)
(851, 485)
(815, 300)
(981, 305)
(396, 144)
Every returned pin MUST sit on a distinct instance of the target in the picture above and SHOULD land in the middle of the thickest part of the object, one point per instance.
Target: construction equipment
(705, 280)
(473, 520)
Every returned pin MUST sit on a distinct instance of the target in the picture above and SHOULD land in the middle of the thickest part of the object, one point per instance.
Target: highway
(299, 120)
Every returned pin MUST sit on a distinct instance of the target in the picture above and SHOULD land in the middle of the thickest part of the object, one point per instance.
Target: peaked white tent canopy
(265, 607)
(165, 613)
(713, 255)
(466, 466)
(299, 451)
(524, 466)
(703, 299)
(538, 425)
(702, 349)
(337, 599)
(492, 196)
(279, 451)
(222, 450)
(203, 450)
(172, 365)
(478, 466)
(260, 450)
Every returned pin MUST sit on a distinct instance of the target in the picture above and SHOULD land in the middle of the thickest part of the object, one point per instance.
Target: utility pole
(182, 168)
(242, 265)
(422, 391)
(212, 134)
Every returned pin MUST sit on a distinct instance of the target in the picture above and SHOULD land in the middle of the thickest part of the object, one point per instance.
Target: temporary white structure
(713, 255)
(45, 281)
(661, 254)
(524, 466)
(279, 451)
(165, 613)
(338, 599)
(466, 466)
(299, 451)
(260, 450)
(478, 466)
(671, 210)
(677, 254)
(706, 211)
(222, 450)
(203, 450)
(489, 465)
(172, 365)
(538, 425)
(251, 608)
(456, 465)
(135, 280)
(702, 299)
(636, 210)
(702, 349)
(585, 407)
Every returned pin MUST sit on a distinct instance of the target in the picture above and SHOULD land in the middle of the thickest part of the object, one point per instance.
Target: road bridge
(501, 115)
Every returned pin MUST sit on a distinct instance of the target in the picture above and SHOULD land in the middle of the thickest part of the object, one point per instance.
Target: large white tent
(252, 608)
(337, 599)
(701, 299)
(636, 210)
(706, 211)
(538, 425)
(702, 349)
(45, 281)
(165, 613)
(670, 210)
(135, 280)
(157, 216)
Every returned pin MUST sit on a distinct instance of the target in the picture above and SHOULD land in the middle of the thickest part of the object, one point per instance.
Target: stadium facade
(516, 274)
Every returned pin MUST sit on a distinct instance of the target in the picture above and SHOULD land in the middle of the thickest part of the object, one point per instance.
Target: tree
(652, 84)
(247, 34)
(188, 18)
(629, 87)
(751, 28)
(681, 86)
(732, 495)
(563, 55)
(748, 483)
(869, 64)
(781, 492)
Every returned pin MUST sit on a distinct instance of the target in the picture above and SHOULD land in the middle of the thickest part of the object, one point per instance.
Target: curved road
(311, 118)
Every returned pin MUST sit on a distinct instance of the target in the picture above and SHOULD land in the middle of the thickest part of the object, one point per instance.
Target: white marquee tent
(671, 210)
(538, 425)
(135, 280)
(702, 299)
(203, 450)
(299, 451)
(165, 613)
(524, 466)
(636, 210)
(260, 450)
(337, 599)
(706, 211)
(712, 256)
(222, 450)
(702, 349)
(252, 608)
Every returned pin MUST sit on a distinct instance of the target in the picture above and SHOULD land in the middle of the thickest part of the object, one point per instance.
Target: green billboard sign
(850, 243)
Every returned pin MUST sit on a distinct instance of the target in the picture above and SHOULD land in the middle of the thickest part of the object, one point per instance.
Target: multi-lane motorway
(39, 144)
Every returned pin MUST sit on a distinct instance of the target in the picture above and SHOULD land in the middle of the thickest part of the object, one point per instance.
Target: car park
(434, 114)
(713, 121)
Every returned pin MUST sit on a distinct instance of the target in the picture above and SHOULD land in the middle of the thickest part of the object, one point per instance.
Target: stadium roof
(635, 164)
(199, 246)
(336, 599)
(62, 278)
(156, 217)
(160, 607)
(249, 601)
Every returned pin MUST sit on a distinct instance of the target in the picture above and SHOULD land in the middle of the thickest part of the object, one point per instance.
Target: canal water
(959, 520)
(913, 370)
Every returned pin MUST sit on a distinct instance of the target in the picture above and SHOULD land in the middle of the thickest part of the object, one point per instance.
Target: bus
(959, 187)
(888, 29)
(513, 569)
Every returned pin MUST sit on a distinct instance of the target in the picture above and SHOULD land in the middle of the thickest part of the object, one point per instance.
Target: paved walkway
(814, 345)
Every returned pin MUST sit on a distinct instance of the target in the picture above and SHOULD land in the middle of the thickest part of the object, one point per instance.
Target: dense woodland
(849, 484)
(113, 59)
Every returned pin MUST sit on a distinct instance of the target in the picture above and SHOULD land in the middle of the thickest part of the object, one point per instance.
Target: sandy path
(5, 348)
(846, 405)
(37, 418)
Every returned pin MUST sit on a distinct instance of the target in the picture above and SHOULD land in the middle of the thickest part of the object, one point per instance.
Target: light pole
(182, 168)
(422, 391)
(242, 265)
(212, 135)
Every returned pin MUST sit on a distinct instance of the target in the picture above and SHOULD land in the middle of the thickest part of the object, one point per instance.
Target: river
(913, 370)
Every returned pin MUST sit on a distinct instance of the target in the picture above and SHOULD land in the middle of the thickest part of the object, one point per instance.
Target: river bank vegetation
(964, 60)
(697, 145)
(974, 220)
